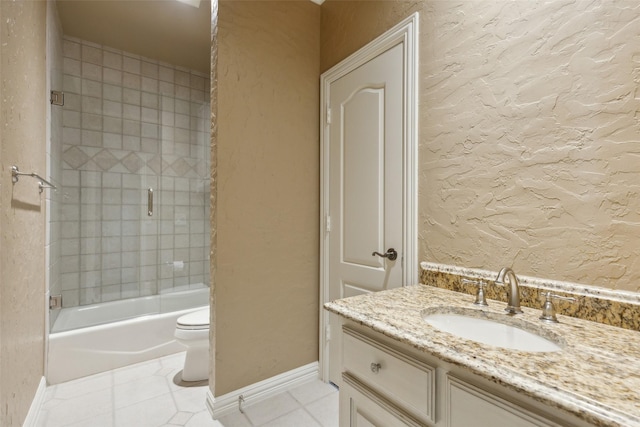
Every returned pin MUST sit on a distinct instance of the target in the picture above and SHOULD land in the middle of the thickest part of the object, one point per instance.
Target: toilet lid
(196, 320)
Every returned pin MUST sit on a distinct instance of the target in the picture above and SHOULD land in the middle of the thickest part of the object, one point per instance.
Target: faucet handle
(480, 297)
(549, 310)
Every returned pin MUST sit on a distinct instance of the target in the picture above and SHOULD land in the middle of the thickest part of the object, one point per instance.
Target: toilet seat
(198, 320)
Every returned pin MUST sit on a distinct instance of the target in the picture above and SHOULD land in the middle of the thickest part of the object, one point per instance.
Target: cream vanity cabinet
(382, 386)
(387, 384)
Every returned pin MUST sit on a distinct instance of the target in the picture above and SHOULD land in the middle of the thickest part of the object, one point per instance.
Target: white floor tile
(145, 395)
(325, 410)
(105, 420)
(297, 418)
(83, 386)
(181, 418)
(149, 413)
(202, 419)
(311, 391)
(235, 420)
(191, 399)
(270, 409)
(136, 391)
(76, 409)
(173, 361)
(174, 379)
(136, 372)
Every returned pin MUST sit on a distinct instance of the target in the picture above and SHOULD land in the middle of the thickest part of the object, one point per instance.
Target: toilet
(192, 331)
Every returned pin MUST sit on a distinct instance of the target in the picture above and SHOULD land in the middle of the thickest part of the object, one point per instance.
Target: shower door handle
(150, 201)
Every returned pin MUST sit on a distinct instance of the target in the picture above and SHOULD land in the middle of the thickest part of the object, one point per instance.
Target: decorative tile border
(607, 306)
(121, 161)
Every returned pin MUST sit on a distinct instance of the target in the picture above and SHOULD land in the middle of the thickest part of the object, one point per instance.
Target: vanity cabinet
(361, 407)
(387, 384)
(382, 386)
(467, 405)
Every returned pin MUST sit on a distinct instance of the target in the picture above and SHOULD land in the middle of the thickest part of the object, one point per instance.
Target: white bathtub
(91, 339)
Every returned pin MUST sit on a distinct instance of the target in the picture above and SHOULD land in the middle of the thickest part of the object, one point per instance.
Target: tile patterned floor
(314, 404)
(150, 394)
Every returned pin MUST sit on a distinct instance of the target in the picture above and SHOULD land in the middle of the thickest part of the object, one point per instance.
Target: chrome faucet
(513, 290)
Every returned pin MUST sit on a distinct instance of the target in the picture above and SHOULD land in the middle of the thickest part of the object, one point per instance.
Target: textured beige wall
(266, 285)
(529, 131)
(346, 26)
(22, 129)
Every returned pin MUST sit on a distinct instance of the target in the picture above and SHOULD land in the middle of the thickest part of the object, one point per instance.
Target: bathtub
(87, 340)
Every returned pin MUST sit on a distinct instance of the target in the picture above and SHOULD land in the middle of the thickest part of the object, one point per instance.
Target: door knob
(391, 254)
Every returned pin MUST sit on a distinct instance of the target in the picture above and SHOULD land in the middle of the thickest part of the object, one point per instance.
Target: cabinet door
(360, 407)
(400, 378)
(467, 405)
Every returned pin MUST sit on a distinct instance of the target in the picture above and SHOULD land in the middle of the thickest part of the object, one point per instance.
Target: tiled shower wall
(129, 124)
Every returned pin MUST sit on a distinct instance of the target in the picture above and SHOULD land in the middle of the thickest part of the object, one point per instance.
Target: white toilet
(192, 331)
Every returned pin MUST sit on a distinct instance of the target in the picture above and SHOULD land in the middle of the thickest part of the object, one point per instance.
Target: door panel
(365, 183)
(363, 175)
(366, 174)
(351, 290)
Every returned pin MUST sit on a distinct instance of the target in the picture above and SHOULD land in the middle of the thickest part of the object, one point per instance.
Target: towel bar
(15, 173)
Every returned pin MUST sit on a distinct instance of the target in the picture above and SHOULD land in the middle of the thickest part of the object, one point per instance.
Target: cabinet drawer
(360, 407)
(467, 405)
(407, 381)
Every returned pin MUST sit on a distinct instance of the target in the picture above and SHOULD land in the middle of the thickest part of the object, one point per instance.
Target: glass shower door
(184, 200)
(132, 128)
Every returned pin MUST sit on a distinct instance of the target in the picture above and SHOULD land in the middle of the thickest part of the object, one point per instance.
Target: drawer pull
(375, 367)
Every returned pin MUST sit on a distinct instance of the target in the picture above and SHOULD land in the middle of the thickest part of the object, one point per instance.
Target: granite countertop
(595, 377)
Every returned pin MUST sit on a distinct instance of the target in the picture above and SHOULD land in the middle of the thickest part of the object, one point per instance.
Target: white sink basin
(475, 326)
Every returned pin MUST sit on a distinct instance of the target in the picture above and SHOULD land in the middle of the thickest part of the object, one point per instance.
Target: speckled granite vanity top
(596, 376)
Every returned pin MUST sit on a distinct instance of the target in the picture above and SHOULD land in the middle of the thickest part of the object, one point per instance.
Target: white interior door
(369, 178)
(365, 184)
(365, 177)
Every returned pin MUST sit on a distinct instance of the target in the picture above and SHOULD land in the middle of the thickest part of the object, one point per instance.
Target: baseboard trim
(36, 404)
(228, 403)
